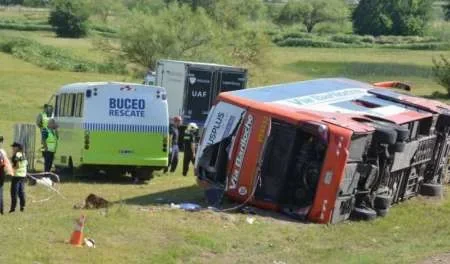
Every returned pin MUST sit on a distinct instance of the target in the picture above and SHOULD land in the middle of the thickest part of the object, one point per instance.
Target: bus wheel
(144, 174)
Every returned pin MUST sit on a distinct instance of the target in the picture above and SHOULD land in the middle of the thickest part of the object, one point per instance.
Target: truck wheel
(363, 213)
(382, 202)
(382, 212)
(430, 189)
(144, 174)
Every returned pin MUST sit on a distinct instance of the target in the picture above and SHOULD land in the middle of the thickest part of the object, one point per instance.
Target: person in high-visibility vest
(50, 144)
(20, 164)
(42, 121)
(190, 143)
(43, 117)
(5, 170)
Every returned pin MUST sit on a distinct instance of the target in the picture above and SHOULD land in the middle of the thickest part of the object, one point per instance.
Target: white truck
(192, 87)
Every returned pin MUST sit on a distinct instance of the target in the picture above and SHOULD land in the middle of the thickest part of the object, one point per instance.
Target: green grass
(412, 231)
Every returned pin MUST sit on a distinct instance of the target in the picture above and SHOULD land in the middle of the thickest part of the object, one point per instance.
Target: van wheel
(430, 189)
(144, 174)
(70, 167)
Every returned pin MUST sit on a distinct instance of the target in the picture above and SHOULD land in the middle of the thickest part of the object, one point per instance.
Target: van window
(71, 105)
(78, 110)
(66, 104)
(62, 102)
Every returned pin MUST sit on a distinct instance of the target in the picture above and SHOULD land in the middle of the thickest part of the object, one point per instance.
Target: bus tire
(430, 189)
(384, 135)
(398, 147)
(382, 212)
(382, 202)
(363, 213)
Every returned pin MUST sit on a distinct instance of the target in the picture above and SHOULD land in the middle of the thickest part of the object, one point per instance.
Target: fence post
(25, 134)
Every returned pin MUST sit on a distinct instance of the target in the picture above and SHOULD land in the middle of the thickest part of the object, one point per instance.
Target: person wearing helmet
(174, 149)
(190, 142)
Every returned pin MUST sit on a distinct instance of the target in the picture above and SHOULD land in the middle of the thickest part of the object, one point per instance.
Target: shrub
(349, 39)
(69, 18)
(441, 72)
(25, 27)
(53, 58)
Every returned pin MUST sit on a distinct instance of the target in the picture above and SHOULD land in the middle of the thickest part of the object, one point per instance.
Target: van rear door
(198, 94)
(231, 80)
(127, 124)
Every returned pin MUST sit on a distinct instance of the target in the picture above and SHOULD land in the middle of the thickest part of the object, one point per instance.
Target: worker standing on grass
(174, 149)
(50, 143)
(42, 121)
(189, 140)
(5, 169)
(43, 117)
(19, 163)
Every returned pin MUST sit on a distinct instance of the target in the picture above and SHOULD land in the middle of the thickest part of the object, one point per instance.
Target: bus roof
(331, 97)
(82, 86)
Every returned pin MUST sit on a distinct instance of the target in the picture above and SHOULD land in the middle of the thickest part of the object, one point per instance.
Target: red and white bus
(323, 150)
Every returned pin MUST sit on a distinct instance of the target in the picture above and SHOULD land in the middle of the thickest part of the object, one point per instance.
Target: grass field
(139, 230)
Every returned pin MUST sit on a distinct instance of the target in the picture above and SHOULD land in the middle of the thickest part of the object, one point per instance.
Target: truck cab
(324, 150)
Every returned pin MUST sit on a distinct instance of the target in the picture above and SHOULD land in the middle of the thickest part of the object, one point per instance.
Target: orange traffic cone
(77, 235)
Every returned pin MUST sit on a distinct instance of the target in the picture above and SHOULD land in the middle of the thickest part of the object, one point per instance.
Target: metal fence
(25, 134)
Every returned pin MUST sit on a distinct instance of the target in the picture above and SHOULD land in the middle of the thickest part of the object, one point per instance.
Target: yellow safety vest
(21, 170)
(45, 119)
(51, 140)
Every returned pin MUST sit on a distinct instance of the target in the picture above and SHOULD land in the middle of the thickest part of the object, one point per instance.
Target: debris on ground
(89, 242)
(250, 220)
(248, 210)
(93, 201)
(191, 207)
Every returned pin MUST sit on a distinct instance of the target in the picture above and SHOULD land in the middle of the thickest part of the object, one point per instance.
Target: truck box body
(192, 87)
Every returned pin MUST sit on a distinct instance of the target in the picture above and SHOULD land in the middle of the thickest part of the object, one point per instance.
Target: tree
(69, 18)
(146, 6)
(145, 39)
(233, 14)
(441, 72)
(446, 8)
(392, 17)
(311, 12)
(105, 8)
(371, 17)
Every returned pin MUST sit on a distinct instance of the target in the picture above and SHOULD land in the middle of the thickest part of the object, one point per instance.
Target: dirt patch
(439, 259)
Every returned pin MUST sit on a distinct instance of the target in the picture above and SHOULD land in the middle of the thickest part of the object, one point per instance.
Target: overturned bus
(324, 150)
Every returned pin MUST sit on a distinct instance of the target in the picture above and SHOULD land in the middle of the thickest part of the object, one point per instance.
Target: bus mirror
(88, 93)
